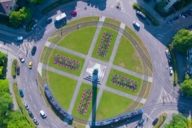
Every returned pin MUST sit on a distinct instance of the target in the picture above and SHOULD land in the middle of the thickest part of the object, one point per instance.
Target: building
(6, 6)
(170, 3)
(189, 61)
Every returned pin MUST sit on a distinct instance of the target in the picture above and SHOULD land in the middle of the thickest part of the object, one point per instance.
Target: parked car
(21, 93)
(42, 114)
(136, 25)
(30, 114)
(74, 13)
(22, 60)
(33, 51)
(140, 14)
(35, 121)
(26, 106)
(18, 70)
(30, 64)
(155, 121)
(171, 70)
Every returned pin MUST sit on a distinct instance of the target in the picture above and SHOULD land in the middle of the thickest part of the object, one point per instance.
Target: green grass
(62, 88)
(112, 105)
(79, 40)
(137, 80)
(114, 35)
(21, 105)
(49, 59)
(75, 111)
(127, 56)
(112, 21)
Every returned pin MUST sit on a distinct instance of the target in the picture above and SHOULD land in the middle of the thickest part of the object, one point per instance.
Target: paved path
(99, 26)
(51, 45)
(109, 66)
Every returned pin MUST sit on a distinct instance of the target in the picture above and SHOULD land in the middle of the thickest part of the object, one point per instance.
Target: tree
(16, 18)
(182, 41)
(186, 87)
(36, 1)
(178, 121)
(17, 120)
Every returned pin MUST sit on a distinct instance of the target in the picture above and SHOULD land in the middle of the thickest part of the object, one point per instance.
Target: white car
(22, 60)
(43, 115)
(171, 70)
(20, 38)
(136, 24)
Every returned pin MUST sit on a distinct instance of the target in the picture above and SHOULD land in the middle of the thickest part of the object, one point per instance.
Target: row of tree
(182, 42)
(8, 117)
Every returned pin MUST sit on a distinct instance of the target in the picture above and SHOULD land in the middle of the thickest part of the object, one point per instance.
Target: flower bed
(105, 43)
(124, 82)
(66, 62)
(85, 101)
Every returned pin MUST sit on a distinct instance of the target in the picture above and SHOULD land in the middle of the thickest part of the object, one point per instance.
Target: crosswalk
(166, 97)
(23, 49)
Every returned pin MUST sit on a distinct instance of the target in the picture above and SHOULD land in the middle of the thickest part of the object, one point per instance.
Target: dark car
(33, 51)
(18, 71)
(155, 121)
(140, 14)
(35, 121)
(31, 114)
(21, 93)
(73, 13)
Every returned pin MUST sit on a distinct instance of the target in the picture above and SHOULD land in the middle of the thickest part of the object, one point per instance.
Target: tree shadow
(184, 105)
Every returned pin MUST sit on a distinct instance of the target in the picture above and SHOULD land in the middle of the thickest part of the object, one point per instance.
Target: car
(42, 114)
(140, 122)
(33, 51)
(22, 60)
(18, 70)
(20, 38)
(26, 106)
(171, 70)
(30, 114)
(35, 121)
(155, 121)
(136, 25)
(30, 64)
(140, 14)
(74, 13)
(21, 93)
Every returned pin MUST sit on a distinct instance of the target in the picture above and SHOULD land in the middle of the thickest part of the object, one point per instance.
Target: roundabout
(124, 69)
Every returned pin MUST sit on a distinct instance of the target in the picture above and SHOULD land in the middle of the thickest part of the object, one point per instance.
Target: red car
(73, 13)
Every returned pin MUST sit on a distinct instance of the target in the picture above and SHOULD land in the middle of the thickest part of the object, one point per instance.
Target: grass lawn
(126, 90)
(112, 21)
(112, 105)
(75, 111)
(49, 59)
(79, 40)
(114, 35)
(127, 56)
(62, 88)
